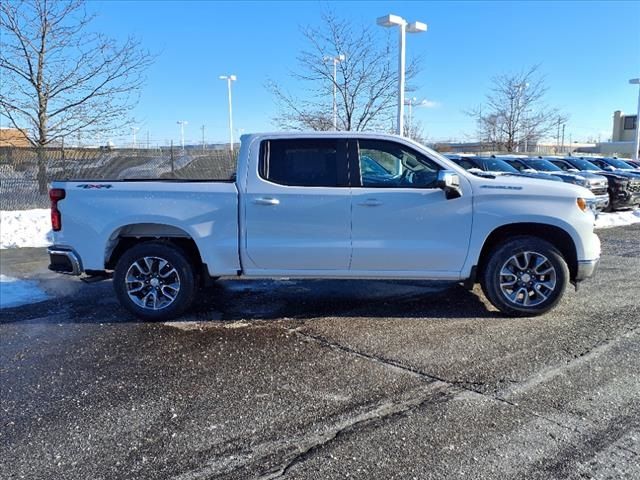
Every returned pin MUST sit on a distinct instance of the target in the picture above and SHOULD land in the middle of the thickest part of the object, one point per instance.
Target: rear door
(401, 221)
(298, 207)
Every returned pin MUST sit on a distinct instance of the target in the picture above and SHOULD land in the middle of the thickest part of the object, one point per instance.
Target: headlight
(583, 182)
(582, 204)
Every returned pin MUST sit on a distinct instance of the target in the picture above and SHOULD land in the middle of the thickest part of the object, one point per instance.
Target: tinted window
(389, 164)
(543, 165)
(582, 164)
(599, 163)
(304, 163)
(496, 165)
(517, 164)
(466, 164)
(562, 165)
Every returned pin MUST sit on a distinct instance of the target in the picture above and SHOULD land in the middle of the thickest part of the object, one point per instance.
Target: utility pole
(148, 140)
(202, 128)
(134, 130)
(563, 125)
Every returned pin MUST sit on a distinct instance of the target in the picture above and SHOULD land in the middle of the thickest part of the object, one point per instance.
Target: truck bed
(95, 213)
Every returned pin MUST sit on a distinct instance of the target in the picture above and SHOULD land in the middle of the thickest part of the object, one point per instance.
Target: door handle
(371, 202)
(266, 201)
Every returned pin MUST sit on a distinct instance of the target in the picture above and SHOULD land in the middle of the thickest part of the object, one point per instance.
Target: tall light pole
(415, 27)
(413, 102)
(182, 123)
(336, 60)
(636, 81)
(229, 79)
(521, 88)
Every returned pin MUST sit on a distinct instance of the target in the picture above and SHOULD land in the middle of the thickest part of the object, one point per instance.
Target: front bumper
(64, 260)
(625, 199)
(601, 202)
(586, 269)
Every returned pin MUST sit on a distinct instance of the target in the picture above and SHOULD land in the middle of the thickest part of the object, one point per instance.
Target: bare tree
(366, 82)
(514, 113)
(59, 78)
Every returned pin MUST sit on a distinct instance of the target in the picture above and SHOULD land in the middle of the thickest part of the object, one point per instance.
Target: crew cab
(315, 206)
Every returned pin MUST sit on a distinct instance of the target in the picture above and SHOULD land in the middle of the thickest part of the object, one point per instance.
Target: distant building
(12, 137)
(624, 127)
(622, 137)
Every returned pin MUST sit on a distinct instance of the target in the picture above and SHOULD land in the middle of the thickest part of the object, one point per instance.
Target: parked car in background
(313, 205)
(623, 188)
(494, 166)
(633, 163)
(596, 183)
(613, 164)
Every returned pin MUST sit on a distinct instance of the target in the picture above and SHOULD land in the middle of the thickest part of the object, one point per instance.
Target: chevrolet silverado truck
(327, 205)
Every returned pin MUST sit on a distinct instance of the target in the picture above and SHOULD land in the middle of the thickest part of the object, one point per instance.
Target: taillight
(55, 195)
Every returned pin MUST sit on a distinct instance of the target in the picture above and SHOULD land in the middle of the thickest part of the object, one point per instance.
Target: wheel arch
(126, 236)
(555, 235)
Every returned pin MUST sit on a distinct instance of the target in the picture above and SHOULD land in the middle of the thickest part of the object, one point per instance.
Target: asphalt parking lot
(324, 379)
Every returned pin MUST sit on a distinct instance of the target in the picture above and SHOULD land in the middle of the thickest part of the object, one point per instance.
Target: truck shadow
(233, 300)
(306, 299)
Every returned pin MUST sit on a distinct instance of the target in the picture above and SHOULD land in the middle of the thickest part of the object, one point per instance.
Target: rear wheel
(525, 276)
(155, 281)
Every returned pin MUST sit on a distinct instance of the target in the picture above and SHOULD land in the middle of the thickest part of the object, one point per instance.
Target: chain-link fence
(25, 172)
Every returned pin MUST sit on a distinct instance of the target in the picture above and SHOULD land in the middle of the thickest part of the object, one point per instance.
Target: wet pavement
(323, 379)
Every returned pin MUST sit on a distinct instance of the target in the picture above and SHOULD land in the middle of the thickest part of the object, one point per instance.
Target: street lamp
(229, 79)
(521, 88)
(182, 123)
(636, 81)
(414, 102)
(337, 59)
(415, 27)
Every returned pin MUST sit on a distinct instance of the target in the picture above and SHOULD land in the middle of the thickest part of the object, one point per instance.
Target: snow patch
(15, 292)
(617, 219)
(25, 228)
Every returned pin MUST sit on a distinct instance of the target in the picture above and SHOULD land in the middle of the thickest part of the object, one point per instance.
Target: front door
(298, 207)
(401, 221)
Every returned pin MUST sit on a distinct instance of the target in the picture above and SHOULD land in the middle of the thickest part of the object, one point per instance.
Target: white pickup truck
(328, 205)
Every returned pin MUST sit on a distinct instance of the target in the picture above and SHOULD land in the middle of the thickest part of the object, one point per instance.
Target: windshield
(584, 165)
(619, 163)
(495, 165)
(543, 165)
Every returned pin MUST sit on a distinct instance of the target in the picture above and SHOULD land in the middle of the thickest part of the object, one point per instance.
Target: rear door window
(304, 162)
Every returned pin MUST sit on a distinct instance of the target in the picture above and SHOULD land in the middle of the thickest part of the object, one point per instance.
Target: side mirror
(449, 181)
(609, 168)
(573, 170)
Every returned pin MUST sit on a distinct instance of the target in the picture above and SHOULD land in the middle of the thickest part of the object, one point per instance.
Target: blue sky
(587, 51)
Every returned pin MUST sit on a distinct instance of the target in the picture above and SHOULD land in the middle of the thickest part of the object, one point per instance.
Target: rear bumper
(586, 269)
(64, 260)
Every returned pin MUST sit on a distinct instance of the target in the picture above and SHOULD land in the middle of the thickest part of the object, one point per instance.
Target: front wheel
(525, 276)
(155, 281)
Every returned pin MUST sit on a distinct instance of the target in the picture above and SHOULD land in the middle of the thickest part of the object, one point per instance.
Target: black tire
(504, 265)
(176, 260)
